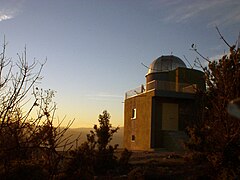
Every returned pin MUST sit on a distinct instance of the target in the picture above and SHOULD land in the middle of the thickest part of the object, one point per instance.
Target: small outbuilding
(157, 113)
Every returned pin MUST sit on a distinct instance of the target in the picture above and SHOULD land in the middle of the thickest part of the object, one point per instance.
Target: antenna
(145, 66)
(149, 67)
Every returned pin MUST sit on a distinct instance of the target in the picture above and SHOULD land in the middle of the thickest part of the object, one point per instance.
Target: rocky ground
(163, 165)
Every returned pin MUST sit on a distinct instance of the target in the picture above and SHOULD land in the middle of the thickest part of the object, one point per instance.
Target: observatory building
(157, 113)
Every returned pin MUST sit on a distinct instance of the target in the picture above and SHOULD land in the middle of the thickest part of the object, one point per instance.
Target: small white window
(134, 113)
(133, 138)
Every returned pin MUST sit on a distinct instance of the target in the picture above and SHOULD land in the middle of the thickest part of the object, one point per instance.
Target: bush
(216, 138)
(96, 157)
(28, 142)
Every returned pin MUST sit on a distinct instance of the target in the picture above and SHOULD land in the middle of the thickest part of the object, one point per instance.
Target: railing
(136, 91)
(164, 86)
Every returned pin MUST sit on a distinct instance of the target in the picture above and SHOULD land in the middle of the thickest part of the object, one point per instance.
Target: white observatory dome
(165, 63)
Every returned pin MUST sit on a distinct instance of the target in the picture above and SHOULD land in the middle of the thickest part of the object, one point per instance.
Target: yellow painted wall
(141, 125)
(169, 116)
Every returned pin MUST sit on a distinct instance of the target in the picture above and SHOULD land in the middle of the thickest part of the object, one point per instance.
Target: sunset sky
(94, 48)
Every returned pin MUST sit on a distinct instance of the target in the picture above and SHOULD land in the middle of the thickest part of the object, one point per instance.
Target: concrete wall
(141, 125)
(148, 125)
(179, 75)
(174, 140)
(191, 76)
(170, 116)
(186, 115)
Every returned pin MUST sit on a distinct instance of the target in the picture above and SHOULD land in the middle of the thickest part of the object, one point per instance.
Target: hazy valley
(74, 133)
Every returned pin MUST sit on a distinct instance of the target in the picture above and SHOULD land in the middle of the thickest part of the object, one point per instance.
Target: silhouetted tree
(216, 139)
(105, 158)
(27, 141)
(96, 156)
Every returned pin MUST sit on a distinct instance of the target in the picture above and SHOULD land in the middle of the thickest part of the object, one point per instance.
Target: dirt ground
(161, 165)
(164, 165)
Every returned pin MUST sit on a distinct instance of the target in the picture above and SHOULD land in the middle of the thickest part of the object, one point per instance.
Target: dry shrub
(216, 137)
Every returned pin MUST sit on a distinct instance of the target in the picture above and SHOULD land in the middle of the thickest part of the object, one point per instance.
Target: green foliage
(104, 132)
(81, 163)
(96, 156)
(217, 137)
(105, 158)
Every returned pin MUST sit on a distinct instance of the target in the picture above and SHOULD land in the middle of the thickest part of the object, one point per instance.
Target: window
(133, 138)
(134, 113)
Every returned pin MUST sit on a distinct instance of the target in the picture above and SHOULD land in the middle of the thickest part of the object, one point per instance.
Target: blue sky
(94, 49)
